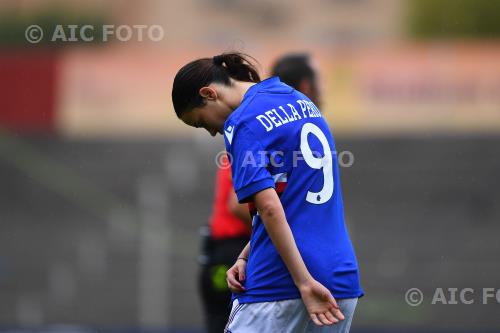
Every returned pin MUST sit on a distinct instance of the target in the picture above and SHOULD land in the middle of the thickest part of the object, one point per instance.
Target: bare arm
(319, 302)
(245, 252)
(273, 217)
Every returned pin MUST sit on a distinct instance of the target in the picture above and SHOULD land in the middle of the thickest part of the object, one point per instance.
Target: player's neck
(240, 88)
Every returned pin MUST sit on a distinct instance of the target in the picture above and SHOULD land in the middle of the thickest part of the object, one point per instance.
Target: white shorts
(288, 316)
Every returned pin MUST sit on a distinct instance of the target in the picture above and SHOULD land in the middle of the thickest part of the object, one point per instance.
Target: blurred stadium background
(102, 189)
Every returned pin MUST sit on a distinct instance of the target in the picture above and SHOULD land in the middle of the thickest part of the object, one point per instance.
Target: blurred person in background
(300, 72)
(230, 222)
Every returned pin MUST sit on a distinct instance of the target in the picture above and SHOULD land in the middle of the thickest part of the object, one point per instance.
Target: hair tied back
(218, 60)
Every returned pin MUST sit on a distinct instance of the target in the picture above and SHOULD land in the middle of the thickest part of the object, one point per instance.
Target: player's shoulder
(236, 126)
(267, 96)
(240, 120)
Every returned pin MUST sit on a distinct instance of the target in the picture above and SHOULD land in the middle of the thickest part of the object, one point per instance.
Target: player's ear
(208, 93)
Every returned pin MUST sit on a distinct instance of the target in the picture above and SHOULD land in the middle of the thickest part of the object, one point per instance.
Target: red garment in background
(224, 224)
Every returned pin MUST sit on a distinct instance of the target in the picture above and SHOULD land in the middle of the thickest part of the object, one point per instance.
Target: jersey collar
(261, 86)
(252, 91)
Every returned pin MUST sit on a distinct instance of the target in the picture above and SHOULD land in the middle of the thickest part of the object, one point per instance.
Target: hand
(236, 275)
(320, 304)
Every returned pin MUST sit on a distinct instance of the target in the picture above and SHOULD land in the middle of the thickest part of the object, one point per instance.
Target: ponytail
(200, 73)
(238, 66)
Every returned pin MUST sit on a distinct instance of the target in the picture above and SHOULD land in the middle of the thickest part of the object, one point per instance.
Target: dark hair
(293, 68)
(200, 73)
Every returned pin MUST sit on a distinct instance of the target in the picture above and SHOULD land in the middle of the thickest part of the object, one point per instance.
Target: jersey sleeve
(248, 164)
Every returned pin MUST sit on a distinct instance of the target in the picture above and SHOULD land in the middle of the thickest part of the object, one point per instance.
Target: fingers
(326, 318)
(235, 290)
(336, 310)
(235, 287)
(337, 313)
(315, 319)
(241, 274)
(331, 317)
(334, 303)
(325, 321)
(233, 284)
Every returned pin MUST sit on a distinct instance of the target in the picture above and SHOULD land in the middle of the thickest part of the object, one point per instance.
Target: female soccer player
(284, 163)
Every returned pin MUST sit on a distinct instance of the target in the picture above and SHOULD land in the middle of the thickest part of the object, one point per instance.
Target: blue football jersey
(277, 138)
